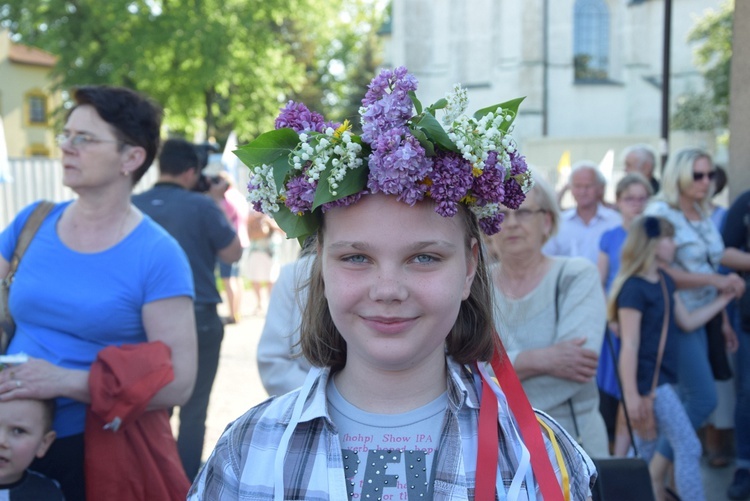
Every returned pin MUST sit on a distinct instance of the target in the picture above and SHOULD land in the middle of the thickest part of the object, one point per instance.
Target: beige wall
(16, 80)
(739, 110)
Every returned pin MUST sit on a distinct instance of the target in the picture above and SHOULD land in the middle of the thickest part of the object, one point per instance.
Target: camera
(204, 150)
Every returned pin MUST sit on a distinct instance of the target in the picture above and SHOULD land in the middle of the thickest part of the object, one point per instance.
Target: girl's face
(394, 279)
(703, 174)
(632, 201)
(665, 250)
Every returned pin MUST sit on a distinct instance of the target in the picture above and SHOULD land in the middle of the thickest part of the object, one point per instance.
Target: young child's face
(23, 436)
(665, 249)
(632, 201)
(395, 277)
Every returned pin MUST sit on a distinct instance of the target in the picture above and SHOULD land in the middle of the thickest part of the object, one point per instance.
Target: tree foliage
(713, 55)
(227, 63)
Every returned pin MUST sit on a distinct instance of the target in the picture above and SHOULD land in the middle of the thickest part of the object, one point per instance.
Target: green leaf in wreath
(354, 181)
(296, 226)
(437, 105)
(434, 131)
(270, 148)
(511, 106)
(417, 104)
(429, 148)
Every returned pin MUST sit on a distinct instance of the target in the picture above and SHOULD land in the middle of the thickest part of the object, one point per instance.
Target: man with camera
(205, 234)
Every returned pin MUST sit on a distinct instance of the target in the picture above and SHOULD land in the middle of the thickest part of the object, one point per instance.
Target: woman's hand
(39, 379)
(570, 360)
(731, 282)
(730, 337)
(641, 409)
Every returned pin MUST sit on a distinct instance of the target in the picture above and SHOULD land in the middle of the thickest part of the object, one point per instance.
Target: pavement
(238, 387)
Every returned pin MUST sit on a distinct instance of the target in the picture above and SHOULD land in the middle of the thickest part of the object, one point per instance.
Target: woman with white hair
(550, 314)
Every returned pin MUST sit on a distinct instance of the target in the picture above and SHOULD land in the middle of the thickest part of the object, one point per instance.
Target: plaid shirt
(242, 464)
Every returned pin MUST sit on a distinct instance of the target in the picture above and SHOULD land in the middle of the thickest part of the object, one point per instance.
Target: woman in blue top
(632, 193)
(97, 273)
(639, 297)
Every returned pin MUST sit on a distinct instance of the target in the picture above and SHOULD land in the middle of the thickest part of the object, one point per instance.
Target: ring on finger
(18, 383)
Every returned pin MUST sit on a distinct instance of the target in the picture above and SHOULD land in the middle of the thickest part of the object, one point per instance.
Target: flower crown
(307, 165)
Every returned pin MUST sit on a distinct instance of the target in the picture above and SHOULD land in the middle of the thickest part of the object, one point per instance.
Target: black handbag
(717, 349)
(621, 479)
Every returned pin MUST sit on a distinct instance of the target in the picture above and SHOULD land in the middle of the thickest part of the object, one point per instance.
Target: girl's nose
(389, 286)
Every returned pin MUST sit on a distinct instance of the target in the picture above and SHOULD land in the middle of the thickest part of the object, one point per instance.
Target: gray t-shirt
(199, 226)
(387, 456)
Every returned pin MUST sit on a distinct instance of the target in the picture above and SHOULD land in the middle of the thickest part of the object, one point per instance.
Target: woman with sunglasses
(687, 188)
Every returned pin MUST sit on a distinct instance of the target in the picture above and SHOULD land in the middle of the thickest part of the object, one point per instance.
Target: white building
(500, 49)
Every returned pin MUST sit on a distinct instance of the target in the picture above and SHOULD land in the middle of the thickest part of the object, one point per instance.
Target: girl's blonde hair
(678, 176)
(638, 254)
(472, 337)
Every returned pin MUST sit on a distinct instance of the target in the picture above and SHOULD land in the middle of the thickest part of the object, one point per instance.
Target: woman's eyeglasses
(81, 140)
(698, 176)
(635, 200)
(522, 215)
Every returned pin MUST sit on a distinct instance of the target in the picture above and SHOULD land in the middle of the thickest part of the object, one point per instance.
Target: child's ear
(472, 262)
(47, 440)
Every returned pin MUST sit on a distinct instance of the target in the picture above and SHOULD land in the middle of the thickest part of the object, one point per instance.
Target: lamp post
(665, 82)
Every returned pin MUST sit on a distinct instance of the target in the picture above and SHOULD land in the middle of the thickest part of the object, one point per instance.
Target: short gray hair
(590, 166)
(643, 151)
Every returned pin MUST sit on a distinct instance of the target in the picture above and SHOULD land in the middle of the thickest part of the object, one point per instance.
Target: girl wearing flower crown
(644, 304)
(398, 324)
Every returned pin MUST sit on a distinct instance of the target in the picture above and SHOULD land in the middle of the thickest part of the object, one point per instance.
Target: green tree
(713, 55)
(228, 63)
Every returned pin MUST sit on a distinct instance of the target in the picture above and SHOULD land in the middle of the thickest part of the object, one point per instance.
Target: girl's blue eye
(18, 431)
(425, 258)
(357, 258)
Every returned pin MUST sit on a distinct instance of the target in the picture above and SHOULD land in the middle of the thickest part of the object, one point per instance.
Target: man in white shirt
(582, 227)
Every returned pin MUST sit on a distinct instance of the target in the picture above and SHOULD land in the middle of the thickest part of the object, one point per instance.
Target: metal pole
(665, 82)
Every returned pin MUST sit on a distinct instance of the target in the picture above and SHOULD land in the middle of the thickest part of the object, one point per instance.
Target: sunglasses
(697, 176)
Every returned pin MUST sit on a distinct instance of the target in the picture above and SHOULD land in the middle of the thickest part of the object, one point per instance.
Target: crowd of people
(391, 334)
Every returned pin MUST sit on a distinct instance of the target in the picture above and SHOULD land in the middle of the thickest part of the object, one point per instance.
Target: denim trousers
(742, 406)
(696, 385)
(193, 414)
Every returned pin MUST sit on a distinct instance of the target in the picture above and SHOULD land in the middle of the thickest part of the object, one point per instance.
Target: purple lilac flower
(491, 225)
(398, 166)
(514, 195)
(488, 187)
(343, 202)
(383, 109)
(300, 194)
(257, 205)
(298, 117)
(517, 164)
(451, 179)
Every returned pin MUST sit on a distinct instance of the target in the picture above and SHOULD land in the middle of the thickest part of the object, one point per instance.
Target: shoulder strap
(557, 290)
(529, 427)
(664, 328)
(27, 234)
